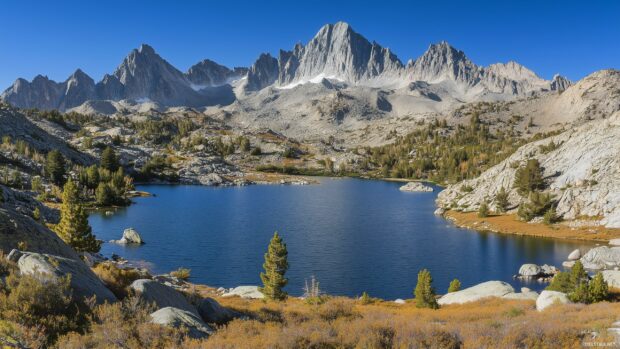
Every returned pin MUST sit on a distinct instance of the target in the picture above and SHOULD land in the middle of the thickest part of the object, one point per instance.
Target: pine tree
(581, 294)
(550, 216)
(599, 291)
(501, 200)
(275, 267)
(578, 274)
(424, 292)
(73, 227)
(104, 195)
(561, 282)
(529, 178)
(55, 167)
(109, 160)
(483, 210)
(455, 285)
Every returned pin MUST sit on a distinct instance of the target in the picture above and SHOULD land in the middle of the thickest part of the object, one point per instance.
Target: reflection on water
(353, 235)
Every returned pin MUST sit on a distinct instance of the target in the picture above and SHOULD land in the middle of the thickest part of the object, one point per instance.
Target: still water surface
(353, 235)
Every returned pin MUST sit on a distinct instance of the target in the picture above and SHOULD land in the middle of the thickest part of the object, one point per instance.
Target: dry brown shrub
(344, 323)
(115, 278)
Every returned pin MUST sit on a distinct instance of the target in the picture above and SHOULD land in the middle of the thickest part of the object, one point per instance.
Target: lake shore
(509, 224)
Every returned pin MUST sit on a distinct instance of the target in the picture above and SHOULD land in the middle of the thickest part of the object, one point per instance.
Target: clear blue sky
(54, 38)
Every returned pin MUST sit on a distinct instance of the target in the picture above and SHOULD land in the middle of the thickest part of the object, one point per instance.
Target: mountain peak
(146, 49)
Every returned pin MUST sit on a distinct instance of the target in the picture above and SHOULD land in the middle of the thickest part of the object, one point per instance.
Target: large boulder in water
(174, 317)
(480, 291)
(530, 270)
(416, 187)
(130, 236)
(549, 298)
(575, 255)
(161, 295)
(84, 283)
(212, 312)
(601, 257)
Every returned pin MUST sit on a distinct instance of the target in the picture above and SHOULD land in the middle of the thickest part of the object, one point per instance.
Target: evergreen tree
(501, 200)
(538, 204)
(104, 195)
(529, 178)
(73, 227)
(455, 285)
(550, 216)
(109, 160)
(561, 282)
(599, 291)
(55, 167)
(578, 274)
(483, 210)
(275, 267)
(424, 292)
(90, 177)
(581, 294)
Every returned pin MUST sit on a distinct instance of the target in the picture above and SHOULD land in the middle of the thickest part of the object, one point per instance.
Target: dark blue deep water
(353, 235)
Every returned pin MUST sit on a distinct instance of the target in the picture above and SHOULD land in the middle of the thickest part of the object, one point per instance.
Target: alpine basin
(353, 235)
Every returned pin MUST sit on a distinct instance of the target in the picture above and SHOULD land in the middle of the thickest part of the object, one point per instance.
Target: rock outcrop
(161, 295)
(549, 298)
(18, 227)
(174, 317)
(84, 283)
(477, 292)
(601, 257)
(213, 312)
(416, 187)
(525, 294)
(245, 292)
(581, 170)
(612, 278)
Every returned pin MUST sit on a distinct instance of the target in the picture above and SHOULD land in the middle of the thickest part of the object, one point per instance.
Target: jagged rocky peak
(560, 83)
(41, 93)
(443, 62)
(141, 63)
(79, 88)
(209, 73)
(337, 52)
(263, 73)
(146, 76)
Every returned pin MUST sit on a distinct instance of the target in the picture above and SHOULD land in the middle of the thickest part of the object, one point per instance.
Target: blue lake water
(353, 235)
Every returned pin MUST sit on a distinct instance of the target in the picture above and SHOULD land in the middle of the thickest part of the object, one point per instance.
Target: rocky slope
(583, 173)
(17, 225)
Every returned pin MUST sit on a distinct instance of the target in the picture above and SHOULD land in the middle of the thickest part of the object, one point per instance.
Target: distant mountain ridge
(142, 76)
(336, 53)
